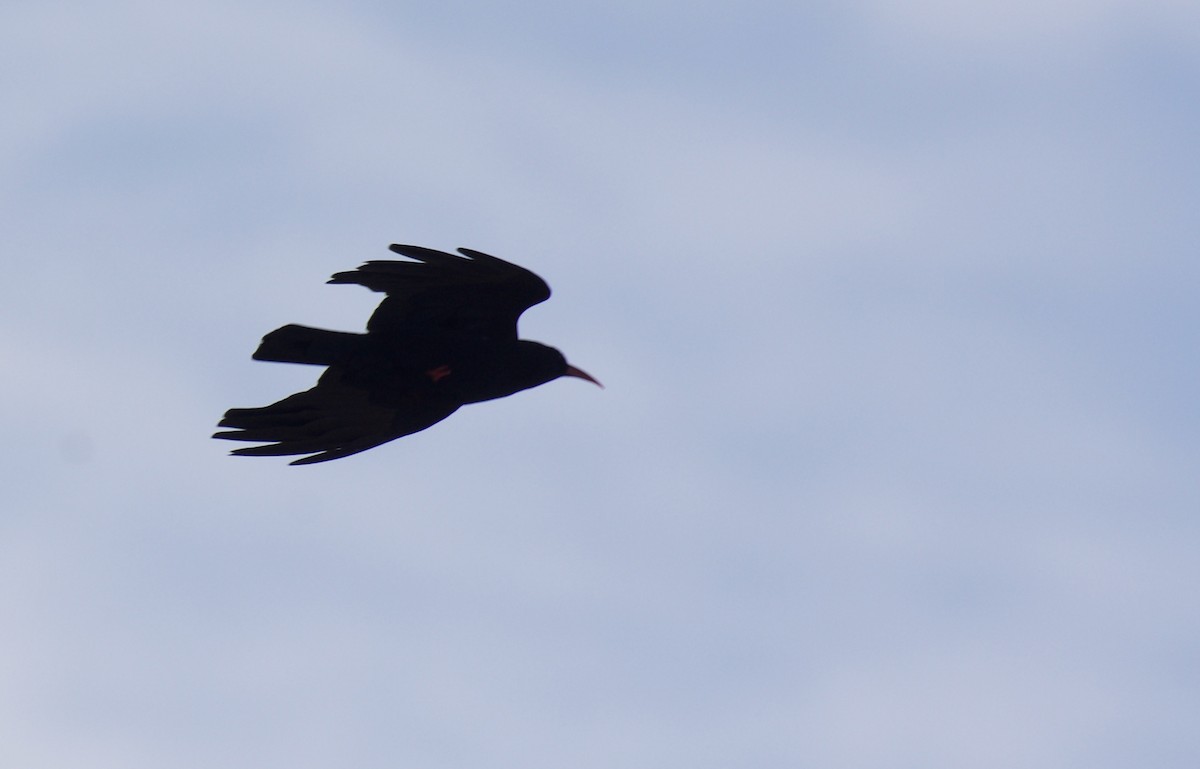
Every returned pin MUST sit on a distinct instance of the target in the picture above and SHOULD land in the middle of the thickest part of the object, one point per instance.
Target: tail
(315, 346)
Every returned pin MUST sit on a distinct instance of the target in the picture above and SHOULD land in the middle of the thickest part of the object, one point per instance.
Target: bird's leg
(439, 373)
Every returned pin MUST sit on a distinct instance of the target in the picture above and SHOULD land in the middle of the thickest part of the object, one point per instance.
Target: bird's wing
(473, 297)
(330, 421)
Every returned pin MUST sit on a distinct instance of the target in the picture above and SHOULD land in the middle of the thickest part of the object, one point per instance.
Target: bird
(444, 335)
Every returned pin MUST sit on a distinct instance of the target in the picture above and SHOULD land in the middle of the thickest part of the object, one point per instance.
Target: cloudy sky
(895, 303)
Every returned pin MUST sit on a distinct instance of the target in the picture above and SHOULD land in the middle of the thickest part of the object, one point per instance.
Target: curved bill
(581, 374)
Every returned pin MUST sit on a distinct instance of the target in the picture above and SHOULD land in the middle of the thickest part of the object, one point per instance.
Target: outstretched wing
(330, 421)
(473, 297)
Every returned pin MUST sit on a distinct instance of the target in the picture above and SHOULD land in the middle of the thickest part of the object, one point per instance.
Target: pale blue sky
(895, 304)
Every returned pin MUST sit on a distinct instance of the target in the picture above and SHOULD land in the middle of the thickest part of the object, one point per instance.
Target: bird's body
(444, 336)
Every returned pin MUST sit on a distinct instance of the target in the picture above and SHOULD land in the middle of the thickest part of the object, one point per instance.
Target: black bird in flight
(444, 336)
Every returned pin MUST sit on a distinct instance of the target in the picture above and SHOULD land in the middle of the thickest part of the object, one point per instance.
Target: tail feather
(302, 344)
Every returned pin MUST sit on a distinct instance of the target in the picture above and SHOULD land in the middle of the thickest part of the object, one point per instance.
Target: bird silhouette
(445, 335)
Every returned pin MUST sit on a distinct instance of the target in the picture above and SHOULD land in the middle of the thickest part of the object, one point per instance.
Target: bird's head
(543, 363)
(526, 364)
